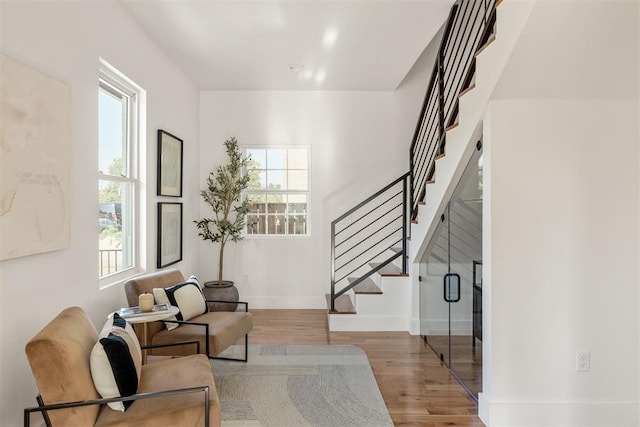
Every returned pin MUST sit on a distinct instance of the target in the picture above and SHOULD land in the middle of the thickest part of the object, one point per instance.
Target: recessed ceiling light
(295, 67)
(330, 37)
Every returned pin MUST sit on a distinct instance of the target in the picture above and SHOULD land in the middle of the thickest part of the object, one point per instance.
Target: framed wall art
(169, 233)
(169, 164)
(35, 153)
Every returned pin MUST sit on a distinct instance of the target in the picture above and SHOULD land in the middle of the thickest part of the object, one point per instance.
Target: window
(278, 192)
(118, 187)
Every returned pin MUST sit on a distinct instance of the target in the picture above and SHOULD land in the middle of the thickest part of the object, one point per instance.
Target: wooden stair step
(438, 157)
(388, 270)
(366, 287)
(486, 45)
(397, 249)
(467, 90)
(343, 305)
(451, 127)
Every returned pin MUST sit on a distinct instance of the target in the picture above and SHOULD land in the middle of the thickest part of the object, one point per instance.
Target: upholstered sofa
(216, 330)
(60, 354)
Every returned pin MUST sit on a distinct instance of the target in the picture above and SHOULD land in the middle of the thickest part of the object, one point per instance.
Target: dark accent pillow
(186, 296)
(116, 361)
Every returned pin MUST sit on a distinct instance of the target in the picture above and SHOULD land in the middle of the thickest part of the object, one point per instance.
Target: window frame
(306, 192)
(117, 84)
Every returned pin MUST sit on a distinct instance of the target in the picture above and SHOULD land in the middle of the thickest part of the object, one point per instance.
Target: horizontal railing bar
(369, 225)
(370, 212)
(463, 21)
(430, 89)
(371, 247)
(364, 202)
(381, 229)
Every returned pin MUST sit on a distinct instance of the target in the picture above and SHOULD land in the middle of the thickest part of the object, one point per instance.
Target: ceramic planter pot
(226, 291)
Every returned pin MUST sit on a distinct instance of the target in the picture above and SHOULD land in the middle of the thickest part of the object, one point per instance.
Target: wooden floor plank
(417, 388)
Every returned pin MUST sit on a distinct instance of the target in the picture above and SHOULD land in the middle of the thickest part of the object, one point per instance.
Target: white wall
(359, 142)
(563, 267)
(561, 181)
(64, 40)
(357, 146)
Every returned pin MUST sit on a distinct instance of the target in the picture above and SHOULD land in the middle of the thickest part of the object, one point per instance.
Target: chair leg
(246, 352)
(45, 415)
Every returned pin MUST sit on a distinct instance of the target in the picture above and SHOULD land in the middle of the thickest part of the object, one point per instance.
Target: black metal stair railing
(470, 25)
(382, 221)
(366, 233)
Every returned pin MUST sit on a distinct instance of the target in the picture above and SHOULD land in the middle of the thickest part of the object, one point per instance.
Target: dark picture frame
(169, 233)
(169, 164)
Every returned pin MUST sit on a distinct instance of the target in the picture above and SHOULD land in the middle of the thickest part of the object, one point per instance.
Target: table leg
(145, 341)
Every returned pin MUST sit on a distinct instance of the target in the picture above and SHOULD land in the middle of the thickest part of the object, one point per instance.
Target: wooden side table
(145, 318)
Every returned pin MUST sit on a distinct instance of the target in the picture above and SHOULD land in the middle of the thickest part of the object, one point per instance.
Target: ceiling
(367, 45)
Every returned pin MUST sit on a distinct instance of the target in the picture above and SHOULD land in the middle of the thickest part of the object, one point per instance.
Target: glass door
(450, 304)
(434, 309)
(465, 251)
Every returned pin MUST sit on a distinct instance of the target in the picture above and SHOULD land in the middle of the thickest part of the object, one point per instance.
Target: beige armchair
(215, 331)
(178, 391)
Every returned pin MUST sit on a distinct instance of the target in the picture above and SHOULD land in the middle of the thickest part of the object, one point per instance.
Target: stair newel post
(404, 225)
(333, 266)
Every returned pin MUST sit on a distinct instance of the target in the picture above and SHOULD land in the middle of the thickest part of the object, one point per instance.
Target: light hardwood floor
(417, 388)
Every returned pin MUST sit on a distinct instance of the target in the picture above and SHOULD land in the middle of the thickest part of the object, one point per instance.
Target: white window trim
(111, 77)
(307, 193)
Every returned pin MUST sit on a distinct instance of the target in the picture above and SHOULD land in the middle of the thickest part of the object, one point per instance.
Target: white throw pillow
(186, 296)
(116, 361)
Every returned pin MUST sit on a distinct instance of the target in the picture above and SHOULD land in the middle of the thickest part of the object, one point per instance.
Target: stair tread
(366, 287)
(439, 156)
(397, 249)
(343, 305)
(388, 270)
(467, 90)
(486, 45)
(451, 127)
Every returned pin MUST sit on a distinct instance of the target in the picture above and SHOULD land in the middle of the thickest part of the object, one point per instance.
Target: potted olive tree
(223, 192)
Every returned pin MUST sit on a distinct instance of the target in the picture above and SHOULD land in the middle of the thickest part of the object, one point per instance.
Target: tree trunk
(221, 262)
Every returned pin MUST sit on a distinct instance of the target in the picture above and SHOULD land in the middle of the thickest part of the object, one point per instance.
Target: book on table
(136, 311)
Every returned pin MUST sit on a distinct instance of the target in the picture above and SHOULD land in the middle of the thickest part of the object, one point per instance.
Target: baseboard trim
(286, 302)
(554, 414)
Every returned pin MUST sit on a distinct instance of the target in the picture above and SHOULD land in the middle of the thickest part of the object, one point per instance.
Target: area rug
(299, 385)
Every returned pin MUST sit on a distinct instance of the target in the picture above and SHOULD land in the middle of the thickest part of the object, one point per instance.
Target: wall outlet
(583, 361)
(245, 279)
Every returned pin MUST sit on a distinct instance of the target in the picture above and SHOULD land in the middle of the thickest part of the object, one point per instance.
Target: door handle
(448, 279)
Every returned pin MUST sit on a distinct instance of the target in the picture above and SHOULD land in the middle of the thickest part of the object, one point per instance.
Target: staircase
(374, 244)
